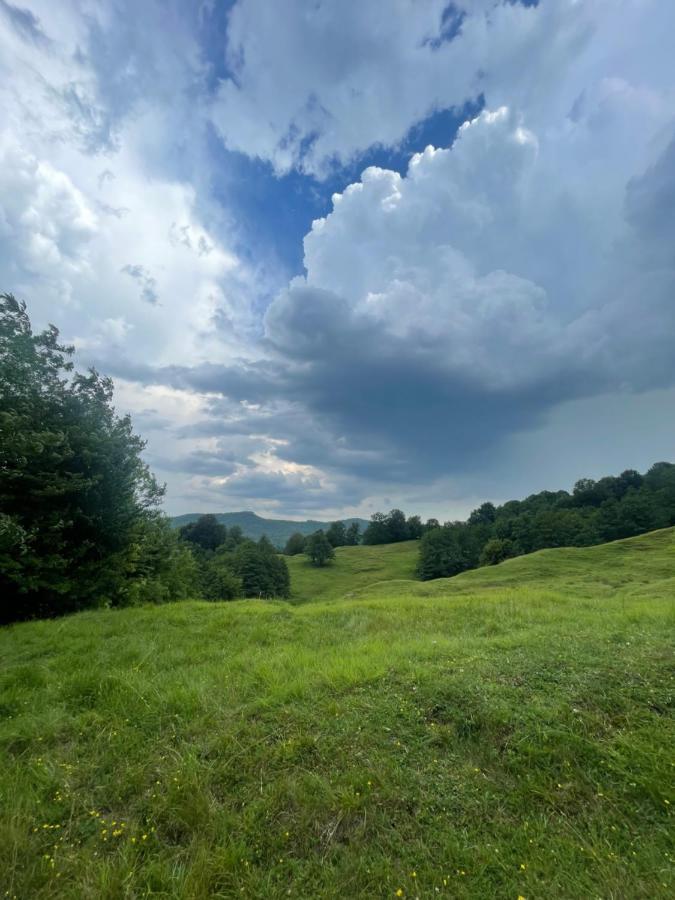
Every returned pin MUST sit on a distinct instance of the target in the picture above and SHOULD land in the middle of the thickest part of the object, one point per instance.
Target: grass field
(353, 569)
(504, 734)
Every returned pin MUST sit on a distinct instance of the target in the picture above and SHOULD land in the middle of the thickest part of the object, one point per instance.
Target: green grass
(506, 733)
(353, 569)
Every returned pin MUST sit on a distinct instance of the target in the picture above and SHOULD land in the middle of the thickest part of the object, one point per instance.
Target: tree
(415, 528)
(337, 534)
(319, 548)
(484, 515)
(74, 490)
(397, 527)
(262, 571)
(295, 544)
(497, 550)
(206, 532)
(386, 529)
(160, 567)
(234, 537)
(353, 535)
(219, 582)
(441, 554)
(376, 531)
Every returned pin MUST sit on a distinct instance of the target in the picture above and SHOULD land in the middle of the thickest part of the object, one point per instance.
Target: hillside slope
(255, 526)
(353, 569)
(509, 739)
(625, 567)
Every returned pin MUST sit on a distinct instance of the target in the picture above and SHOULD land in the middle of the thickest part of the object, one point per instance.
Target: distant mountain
(254, 526)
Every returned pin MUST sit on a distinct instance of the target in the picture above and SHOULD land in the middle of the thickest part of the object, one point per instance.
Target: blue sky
(344, 256)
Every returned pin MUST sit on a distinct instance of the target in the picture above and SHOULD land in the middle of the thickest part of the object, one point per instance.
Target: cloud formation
(501, 282)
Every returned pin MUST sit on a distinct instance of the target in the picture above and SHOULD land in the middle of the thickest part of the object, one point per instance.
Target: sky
(345, 255)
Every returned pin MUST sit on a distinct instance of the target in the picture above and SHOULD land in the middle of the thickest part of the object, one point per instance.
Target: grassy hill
(255, 526)
(507, 733)
(353, 569)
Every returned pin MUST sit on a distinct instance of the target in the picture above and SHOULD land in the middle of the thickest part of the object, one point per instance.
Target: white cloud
(316, 84)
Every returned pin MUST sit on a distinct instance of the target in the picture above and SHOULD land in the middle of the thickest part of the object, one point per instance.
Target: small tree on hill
(319, 549)
(497, 550)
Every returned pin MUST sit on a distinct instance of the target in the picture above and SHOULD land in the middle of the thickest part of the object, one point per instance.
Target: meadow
(507, 733)
(353, 569)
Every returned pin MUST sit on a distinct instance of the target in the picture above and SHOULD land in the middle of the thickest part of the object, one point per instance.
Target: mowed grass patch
(510, 741)
(353, 568)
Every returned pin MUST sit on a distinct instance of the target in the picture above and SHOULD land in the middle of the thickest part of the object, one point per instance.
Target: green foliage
(295, 544)
(353, 534)
(595, 512)
(218, 580)
(337, 534)
(262, 571)
(206, 532)
(442, 554)
(391, 527)
(496, 550)
(319, 549)
(74, 490)
(160, 568)
(505, 733)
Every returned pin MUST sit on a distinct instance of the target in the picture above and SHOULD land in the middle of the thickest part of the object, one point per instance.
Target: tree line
(80, 523)
(595, 512)
(320, 546)
(230, 565)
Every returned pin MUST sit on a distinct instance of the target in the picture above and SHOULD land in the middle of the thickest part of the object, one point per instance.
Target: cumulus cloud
(363, 73)
(523, 270)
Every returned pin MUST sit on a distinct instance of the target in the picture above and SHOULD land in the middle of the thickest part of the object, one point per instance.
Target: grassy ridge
(353, 569)
(458, 739)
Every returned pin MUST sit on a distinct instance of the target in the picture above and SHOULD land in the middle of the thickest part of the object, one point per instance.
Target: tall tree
(337, 534)
(74, 489)
(206, 532)
(353, 534)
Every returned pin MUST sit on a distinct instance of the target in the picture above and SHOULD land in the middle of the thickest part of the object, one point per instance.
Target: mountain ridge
(255, 526)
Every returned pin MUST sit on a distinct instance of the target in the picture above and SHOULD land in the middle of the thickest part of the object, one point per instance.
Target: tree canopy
(319, 549)
(77, 500)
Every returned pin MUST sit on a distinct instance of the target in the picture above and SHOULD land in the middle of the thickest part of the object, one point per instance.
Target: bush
(496, 551)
